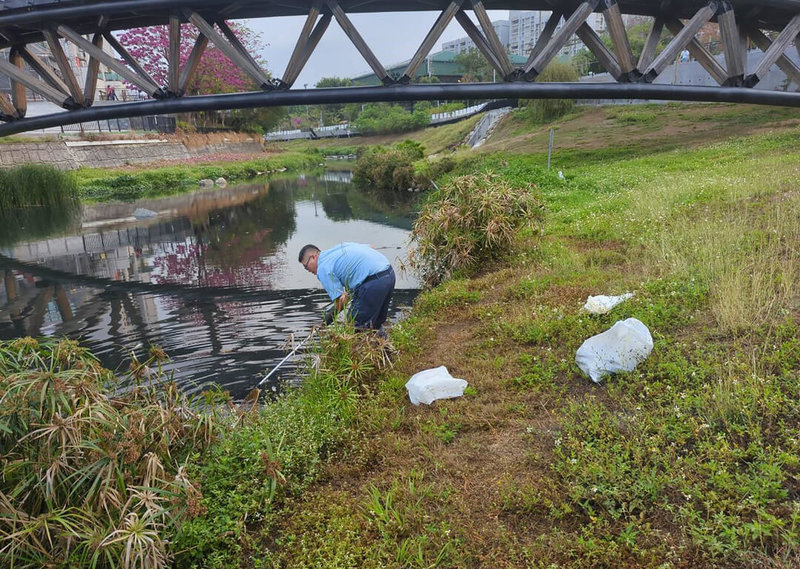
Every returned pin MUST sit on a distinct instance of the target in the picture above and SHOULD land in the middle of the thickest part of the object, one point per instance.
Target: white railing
(440, 117)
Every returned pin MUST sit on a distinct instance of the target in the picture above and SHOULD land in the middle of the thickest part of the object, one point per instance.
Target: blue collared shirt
(346, 265)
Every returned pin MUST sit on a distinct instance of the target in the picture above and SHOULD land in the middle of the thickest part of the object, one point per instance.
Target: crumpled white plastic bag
(431, 384)
(620, 348)
(601, 303)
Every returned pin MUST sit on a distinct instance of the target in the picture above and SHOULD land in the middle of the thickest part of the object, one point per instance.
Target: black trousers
(371, 300)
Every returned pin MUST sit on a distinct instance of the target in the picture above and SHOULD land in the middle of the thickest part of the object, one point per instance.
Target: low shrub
(470, 219)
(388, 168)
(429, 171)
(387, 119)
(125, 188)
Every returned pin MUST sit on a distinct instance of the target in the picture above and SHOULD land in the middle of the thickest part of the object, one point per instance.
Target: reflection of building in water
(105, 253)
(34, 306)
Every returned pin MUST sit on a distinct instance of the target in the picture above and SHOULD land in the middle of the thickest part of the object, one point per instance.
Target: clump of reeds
(36, 185)
(91, 479)
(471, 219)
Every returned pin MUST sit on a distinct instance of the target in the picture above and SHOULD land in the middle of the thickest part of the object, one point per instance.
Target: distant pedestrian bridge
(771, 25)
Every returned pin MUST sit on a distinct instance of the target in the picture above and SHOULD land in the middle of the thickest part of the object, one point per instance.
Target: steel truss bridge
(771, 25)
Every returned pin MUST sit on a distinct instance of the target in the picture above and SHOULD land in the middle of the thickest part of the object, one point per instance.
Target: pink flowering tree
(215, 73)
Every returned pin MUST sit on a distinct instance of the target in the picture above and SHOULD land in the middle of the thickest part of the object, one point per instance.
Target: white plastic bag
(620, 348)
(431, 384)
(601, 303)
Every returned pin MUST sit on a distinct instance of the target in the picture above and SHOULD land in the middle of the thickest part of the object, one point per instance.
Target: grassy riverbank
(134, 182)
(691, 460)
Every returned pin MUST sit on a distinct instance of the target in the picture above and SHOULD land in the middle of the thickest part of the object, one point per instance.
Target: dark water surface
(213, 278)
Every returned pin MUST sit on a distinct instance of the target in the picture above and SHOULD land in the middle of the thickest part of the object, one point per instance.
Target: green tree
(258, 120)
(327, 82)
(335, 112)
(542, 110)
(474, 67)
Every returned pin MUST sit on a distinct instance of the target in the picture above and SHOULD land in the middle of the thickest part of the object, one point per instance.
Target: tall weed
(471, 219)
(36, 185)
(747, 257)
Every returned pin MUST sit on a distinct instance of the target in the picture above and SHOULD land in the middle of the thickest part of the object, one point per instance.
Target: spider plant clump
(469, 220)
(91, 479)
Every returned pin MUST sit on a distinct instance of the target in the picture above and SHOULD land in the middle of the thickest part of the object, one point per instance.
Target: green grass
(110, 184)
(689, 460)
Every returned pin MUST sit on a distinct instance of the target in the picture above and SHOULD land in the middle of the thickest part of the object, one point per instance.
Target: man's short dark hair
(306, 249)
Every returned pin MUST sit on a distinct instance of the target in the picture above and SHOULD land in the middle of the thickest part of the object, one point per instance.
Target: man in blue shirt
(353, 269)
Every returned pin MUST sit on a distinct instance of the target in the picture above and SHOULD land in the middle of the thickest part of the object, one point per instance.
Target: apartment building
(501, 27)
(522, 30)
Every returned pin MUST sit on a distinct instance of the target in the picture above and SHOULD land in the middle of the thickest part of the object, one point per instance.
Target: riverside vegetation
(691, 460)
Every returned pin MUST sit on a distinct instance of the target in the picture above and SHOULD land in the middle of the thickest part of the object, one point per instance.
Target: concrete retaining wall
(68, 155)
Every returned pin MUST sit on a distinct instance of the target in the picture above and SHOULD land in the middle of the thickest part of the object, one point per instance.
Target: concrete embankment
(69, 155)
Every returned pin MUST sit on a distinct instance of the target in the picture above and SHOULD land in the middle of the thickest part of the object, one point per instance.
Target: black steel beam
(25, 17)
(398, 93)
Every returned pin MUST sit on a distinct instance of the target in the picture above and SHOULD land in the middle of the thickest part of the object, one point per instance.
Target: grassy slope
(691, 460)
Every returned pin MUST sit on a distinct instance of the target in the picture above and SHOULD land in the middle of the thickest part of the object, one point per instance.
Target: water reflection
(213, 278)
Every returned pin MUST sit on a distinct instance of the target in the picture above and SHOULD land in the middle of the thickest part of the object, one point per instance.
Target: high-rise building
(522, 30)
(501, 28)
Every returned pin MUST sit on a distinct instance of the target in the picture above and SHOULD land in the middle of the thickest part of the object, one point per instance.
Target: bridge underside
(773, 26)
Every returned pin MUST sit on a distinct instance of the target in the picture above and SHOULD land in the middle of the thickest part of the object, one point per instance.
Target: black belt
(376, 276)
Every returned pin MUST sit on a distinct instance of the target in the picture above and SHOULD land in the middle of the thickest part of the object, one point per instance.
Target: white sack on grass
(431, 384)
(620, 348)
(601, 303)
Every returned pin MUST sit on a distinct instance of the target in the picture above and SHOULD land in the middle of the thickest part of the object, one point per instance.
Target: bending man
(353, 269)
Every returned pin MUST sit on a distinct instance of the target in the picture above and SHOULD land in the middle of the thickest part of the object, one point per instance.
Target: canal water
(213, 278)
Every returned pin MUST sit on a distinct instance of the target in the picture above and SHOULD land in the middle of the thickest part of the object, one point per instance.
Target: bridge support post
(732, 45)
(296, 61)
(775, 51)
(63, 64)
(622, 46)
(359, 43)
(476, 36)
(684, 38)
(190, 67)
(560, 38)
(604, 55)
(784, 63)
(92, 70)
(544, 39)
(650, 45)
(18, 95)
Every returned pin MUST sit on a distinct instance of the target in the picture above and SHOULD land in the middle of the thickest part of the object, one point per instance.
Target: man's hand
(341, 302)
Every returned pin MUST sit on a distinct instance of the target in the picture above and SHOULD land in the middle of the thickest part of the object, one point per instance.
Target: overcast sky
(393, 37)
